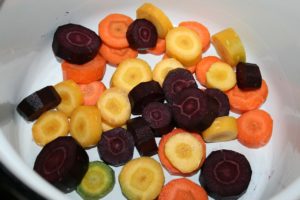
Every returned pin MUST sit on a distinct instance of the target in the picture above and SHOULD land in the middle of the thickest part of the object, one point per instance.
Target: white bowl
(269, 30)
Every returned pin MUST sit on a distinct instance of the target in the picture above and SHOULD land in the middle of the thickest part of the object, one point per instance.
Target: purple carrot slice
(75, 43)
(141, 34)
(143, 136)
(248, 76)
(222, 100)
(31, 107)
(116, 146)
(176, 81)
(193, 110)
(63, 163)
(144, 93)
(225, 174)
(159, 118)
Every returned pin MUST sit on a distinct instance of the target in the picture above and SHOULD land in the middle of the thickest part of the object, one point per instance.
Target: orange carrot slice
(203, 66)
(160, 47)
(201, 30)
(112, 30)
(182, 188)
(116, 56)
(192, 69)
(163, 158)
(82, 74)
(246, 100)
(254, 128)
(91, 92)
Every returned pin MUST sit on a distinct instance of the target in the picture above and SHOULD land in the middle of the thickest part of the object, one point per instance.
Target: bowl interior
(27, 64)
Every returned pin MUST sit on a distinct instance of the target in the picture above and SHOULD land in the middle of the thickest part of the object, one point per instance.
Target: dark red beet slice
(177, 80)
(141, 34)
(213, 107)
(222, 100)
(193, 110)
(248, 76)
(144, 93)
(225, 174)
(75, 43)
(116, 146)
(159, 118)
(143, 136)
(63, 163)
(31, 107)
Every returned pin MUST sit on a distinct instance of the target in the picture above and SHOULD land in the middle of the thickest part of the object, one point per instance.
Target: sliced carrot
(254, 128)
(246, 100)
(163, 158)
(192, 69)
(91, 92)
(201, 30)
(112, 30)
(160, 47)
(82, 74)
(182, 188)
(116, 56)
(203, 66)
(165, 56)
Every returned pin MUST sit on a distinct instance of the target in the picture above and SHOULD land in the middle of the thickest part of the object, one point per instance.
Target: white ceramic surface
(270, 32)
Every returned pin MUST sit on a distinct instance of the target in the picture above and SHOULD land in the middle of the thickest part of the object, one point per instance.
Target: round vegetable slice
(184, 45)
(71, 96)
(116, 146)
(193, 110)
(159, 118)
(112, 30)
(114, 106)
(130, 73)
(156, 16)
(141, 34)
(245, 100)
(255, 128)
(75, 43)
(184, 152)
(182, 188)
(201, 30)
(49, 126)
(222, 100)
(63, 163)
(163, 158)
(98, 181)
(85, 125)
(225, 174)
(141, 178)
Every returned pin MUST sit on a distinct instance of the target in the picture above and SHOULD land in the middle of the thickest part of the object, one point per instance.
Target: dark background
(13, 189)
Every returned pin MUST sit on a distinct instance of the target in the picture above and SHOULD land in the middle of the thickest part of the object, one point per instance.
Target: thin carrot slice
(192, 69)
(182, 188)
(254, 128)
(91, 92)
(245, 100)
(112, 30)
(82, 74)
(160, 47)
(201, 30)
(203, 66)
(116, 56)
(163, 158)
